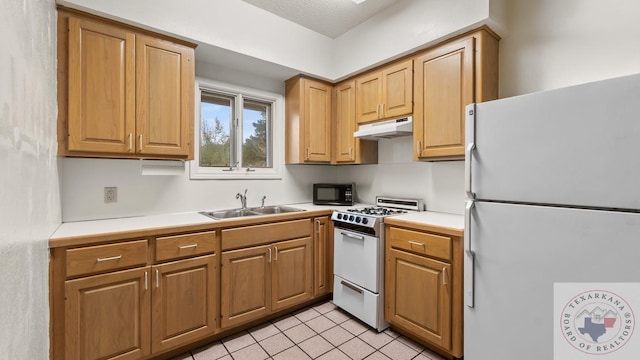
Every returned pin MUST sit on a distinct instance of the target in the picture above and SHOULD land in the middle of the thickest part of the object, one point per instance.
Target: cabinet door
(418, 296)
(291, 273)
(164, 97)
(347, 148)
(397, 89)
(108, 316)
(245, 285)
(322, 256)
(368, 97)
(317, 120)
(101, 87)
(183, 302)
(345, 122)
(444, 85)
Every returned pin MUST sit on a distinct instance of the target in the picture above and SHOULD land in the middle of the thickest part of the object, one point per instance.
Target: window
(239, 133)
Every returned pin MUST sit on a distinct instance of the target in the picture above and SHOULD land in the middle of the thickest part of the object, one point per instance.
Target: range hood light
(358, 1)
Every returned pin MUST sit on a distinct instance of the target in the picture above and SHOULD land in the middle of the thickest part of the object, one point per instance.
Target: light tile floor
(321, 331)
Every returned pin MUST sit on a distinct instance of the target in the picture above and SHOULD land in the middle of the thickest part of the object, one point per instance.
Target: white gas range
(358, 267)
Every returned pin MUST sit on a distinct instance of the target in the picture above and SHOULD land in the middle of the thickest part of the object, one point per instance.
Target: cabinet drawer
(420, 242)
(93, 259)
(264, 234)
(171, 247)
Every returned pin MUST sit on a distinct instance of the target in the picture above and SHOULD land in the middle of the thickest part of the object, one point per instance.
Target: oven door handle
(346, 284)
(357, 237)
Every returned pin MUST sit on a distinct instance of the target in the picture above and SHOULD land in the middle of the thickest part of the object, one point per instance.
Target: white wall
(29, 194)
(83, 182)
(552, 44)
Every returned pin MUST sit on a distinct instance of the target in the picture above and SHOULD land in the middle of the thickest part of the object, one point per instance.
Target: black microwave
(334, 194)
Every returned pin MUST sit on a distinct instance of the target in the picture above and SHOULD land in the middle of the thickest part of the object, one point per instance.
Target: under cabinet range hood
(385, 129)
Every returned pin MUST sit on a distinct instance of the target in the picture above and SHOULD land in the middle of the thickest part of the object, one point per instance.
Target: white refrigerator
(552, 233)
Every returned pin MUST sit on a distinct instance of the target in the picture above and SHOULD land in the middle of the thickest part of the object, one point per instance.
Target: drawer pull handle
(346, 284)
(276, 257)
(157, 278)
(269, 255)
(416, 243)
(110, 258)
(187, 246)
(146, 280)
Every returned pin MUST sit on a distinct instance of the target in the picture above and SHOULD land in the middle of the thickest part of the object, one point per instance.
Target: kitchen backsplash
(440, 185)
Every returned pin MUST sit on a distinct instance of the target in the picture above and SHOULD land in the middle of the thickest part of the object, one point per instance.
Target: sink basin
(277, 209)
(226, 214)
(234, 213)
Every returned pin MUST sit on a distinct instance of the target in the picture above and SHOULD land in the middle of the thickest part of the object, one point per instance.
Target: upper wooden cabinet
(447, 78)
(348, 149)
(385, 93)
(122, 92)
(308, 121)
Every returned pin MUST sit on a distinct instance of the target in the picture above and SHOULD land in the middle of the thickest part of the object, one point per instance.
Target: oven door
(356, 258)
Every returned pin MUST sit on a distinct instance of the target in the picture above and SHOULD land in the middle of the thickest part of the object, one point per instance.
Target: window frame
(197, 172)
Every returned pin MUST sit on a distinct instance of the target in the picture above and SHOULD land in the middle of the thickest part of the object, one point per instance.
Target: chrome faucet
(243, 199)
(263, 198)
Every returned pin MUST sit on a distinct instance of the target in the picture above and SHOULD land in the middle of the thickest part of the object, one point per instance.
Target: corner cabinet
(308, 111)
(448, 78)
(385, 93)
(123, 92)
(423, 284)
(348, 149)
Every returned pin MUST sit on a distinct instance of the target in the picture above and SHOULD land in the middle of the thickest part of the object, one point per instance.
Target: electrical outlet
(110, 194)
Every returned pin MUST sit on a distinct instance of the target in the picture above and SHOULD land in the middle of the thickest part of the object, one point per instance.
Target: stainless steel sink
(226, 214)
(276, 209)
(234, 213)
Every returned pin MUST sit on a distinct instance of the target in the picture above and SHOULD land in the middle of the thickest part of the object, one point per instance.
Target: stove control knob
(358, 219)
(365, 220)
(339, 216)
(351, 218)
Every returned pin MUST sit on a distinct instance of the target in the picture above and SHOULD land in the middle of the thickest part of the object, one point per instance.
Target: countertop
(451, 224)
(108, 229)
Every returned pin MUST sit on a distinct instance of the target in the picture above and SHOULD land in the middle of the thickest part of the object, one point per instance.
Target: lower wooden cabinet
(419, 296)
(143, 297)
(262, 279)
(244, 285)
(183, 302)
(423, 287)
(108, 316)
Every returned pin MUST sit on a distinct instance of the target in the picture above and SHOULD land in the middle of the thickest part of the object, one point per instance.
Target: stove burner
(377, 211)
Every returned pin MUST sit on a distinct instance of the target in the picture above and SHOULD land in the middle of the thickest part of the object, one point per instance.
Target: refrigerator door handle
(471, 145)
(469, 257)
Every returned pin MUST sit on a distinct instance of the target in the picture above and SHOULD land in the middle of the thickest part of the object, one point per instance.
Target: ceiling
(329, 17)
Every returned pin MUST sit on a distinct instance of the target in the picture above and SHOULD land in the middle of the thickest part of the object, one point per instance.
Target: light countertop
(452, 224)
(427, 220)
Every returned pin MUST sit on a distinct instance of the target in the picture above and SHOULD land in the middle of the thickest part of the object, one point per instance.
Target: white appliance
(386, 129)
(553, 187)
(358, 260)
